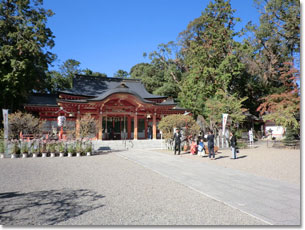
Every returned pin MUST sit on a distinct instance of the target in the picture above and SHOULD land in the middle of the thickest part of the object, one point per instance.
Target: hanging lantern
(61, 121)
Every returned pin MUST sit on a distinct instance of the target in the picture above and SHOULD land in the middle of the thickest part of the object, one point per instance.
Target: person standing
(233, 142)
(251, 140)
(210, 139)
(177, 140)
(201, 148)
(149, 132)
(193, 147)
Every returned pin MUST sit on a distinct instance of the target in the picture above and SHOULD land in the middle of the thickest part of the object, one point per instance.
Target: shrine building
(122, 107)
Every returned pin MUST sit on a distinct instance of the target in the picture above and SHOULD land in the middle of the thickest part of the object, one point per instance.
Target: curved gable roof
(96, 86)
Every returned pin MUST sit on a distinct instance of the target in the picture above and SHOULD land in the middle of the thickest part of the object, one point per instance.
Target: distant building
(271, 129)
(122, 107)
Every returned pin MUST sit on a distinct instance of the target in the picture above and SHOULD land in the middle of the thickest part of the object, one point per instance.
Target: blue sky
(108, 35)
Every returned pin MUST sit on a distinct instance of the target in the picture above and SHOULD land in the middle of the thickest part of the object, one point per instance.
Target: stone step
(128, 144)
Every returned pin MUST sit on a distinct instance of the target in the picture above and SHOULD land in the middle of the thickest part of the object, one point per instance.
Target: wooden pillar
(77, 124)
(129, 127)
(145, 122)
(106, 130)
(100, 126)
(155, 126)
(135, 124)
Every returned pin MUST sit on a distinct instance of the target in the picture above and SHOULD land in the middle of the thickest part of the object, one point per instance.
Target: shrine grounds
(135, 188)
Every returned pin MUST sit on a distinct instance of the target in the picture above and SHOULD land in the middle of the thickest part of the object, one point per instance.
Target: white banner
(224, 122)
(5, 122)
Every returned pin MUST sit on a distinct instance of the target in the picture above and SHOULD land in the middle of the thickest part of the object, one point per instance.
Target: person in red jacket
(193, 147)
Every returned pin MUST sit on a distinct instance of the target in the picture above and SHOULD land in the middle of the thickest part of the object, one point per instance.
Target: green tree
(280, 19)
(121, 74)
(210, 54)
(275, 41)
(24, 50)
(62, 79)
(56, 82)
(69, 69)
(89, 72)
(221, 103)
(169, 64)
(150, 76)
(162, 76)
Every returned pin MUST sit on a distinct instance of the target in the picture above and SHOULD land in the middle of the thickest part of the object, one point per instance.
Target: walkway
(274, 202)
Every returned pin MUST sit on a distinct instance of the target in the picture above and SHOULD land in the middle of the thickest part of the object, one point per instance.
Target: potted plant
(15, 149)
(70, 149)
(61, 149)
(46, 150)
(52, 149)
(42, 148)
(2, 148)
(88, 148)
(24, 149)
(35, 149)
(78, 148)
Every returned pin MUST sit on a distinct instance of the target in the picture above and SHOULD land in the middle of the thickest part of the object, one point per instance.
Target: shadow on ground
(106, 150)
(220, 157)
(46, 207)
(241, 157)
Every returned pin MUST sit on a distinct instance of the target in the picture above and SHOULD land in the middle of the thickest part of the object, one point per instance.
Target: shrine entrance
(115, 128)
(122, 127)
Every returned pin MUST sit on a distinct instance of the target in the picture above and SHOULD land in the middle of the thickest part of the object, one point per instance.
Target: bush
(2, 147)
(35, 147)
(43, 147)
(71, 148)
(88, 147)
(15, 147)
(87, 126)
(61, 147)
(24, 147)
(25, 123)
(52, 147)
(78, 147)
(187, 123)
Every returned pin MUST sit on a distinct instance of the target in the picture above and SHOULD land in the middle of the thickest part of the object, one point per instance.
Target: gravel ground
(102, 190)
(273, 163)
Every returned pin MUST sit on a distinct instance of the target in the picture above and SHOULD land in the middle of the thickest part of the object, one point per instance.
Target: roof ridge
(108, 78)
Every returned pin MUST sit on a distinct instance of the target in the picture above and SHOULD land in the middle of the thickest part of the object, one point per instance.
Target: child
(193, 147)
(201, 149)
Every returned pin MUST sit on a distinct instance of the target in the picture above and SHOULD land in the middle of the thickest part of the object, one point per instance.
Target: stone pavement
(274, 202)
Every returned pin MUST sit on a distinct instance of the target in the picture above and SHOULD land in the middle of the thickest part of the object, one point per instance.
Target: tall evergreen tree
(275, 41)
(209, 50)
(24, 43)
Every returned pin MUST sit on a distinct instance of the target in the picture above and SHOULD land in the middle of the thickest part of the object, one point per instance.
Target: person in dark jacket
(233, 143)
(177, 140)
(210, 139)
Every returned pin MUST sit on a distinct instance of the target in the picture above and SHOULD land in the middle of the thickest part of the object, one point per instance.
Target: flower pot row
(34, 155)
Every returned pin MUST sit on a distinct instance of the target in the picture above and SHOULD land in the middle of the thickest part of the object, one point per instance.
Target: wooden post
(129, 127)
(145, 122)
(154, 126)
(100, 126)
(77, 124)
(135, 123)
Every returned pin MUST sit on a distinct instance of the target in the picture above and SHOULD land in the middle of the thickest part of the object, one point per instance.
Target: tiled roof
(42, 99)
(96, 86)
